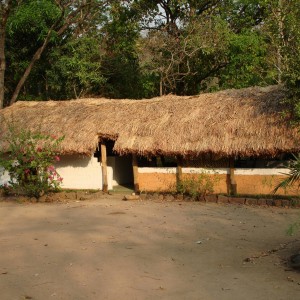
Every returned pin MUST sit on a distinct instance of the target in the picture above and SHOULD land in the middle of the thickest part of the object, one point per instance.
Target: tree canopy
(63, 49)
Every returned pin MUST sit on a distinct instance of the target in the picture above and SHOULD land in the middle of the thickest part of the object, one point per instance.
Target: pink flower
(27, 171)
(60, 179)
(51, 168)
(57, 158)
(39, 149)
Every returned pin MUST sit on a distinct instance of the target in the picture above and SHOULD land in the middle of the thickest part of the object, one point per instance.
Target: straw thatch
(232, 122)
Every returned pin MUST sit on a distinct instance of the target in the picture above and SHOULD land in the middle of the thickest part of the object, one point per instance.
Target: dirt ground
(113, 249)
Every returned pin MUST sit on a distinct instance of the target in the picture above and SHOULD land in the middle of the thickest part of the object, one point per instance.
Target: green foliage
(243, 14)
(197, 186)
(293, 176)
(291, 75)
(281, 30)
(129, 49)
(293, 228)
(26, 29)
(29, 163)
(33, 18)
(77, 63)
(246, 61)
(183, 60)
(120, 65)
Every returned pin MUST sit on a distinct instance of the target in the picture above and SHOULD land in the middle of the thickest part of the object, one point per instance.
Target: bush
(197, 186)
(29, 162)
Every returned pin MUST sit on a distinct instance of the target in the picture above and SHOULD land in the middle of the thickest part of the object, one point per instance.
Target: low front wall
(82, 172)
(249, 181)
(78, 172)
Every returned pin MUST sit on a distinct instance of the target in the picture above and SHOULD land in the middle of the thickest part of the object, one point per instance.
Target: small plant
(30, 163)
(292, 177)
(197, 186)
(293, 228)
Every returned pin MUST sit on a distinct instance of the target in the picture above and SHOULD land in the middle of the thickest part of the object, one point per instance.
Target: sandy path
(112, 249)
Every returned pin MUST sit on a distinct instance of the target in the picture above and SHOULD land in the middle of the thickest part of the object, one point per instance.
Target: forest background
(65, 49)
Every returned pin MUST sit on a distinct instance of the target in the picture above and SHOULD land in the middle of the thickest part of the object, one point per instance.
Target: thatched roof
(232, 122)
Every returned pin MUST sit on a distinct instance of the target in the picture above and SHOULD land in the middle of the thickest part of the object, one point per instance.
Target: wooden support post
(233, 185)
(179, 171)
(135, 174)
(104, 168)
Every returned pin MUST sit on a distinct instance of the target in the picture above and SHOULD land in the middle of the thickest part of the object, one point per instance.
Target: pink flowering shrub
(30, 163)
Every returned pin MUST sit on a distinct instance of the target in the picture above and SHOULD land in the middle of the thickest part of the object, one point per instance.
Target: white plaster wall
(255, 171)
(122, 169)
(81, 172)
(111, 163)
(78, 172)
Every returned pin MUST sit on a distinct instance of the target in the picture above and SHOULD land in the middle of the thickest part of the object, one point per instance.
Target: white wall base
(81, 172)
(237, 171)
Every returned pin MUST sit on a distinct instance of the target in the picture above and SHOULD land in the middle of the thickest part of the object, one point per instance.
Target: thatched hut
(164, 136)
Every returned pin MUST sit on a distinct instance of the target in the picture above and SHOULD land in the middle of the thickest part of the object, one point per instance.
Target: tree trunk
(5, 9)
(36, 57)
(281, 40)
(2, 62)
